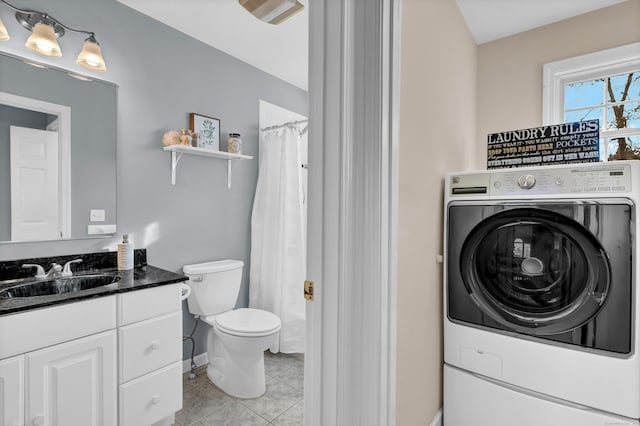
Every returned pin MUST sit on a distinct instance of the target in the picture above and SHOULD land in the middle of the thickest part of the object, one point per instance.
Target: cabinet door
(73, 383)
(12, 391)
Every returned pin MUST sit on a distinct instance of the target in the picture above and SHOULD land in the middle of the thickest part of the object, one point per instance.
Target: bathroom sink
(59, 286)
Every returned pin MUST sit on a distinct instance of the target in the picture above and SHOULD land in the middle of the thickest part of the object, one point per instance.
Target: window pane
(584, 93)
(585, 114)
(624, 87)
(624, 148)
(624, 116)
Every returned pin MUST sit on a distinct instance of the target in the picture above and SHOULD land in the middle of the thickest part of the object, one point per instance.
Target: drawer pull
(38, 420)
(154, 345)
(155, 399)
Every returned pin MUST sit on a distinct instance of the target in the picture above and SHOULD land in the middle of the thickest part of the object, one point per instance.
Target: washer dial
(526, 181)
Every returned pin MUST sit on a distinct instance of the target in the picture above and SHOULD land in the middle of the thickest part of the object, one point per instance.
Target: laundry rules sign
(556, 144)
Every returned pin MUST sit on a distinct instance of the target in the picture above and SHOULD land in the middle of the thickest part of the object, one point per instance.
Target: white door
(12, 391)
(35, 207)
(74, 383)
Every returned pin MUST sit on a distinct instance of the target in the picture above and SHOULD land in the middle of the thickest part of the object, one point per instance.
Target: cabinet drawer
(148, 345)
(140, 305)
(39, 328)
(151, 398)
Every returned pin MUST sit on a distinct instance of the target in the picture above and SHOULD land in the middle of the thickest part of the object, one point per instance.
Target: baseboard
(198, 359)
(437, 420)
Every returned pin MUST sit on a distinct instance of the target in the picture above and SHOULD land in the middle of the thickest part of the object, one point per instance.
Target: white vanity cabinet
(58, 365)
(150, 356)
(109, 361)
(12, 391)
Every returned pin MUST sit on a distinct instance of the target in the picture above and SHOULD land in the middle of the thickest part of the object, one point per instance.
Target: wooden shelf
(177, 151)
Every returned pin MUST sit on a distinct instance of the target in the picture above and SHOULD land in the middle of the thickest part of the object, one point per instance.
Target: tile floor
(281, 405)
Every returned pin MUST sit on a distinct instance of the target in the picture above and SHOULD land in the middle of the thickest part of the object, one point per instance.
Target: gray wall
(163, 75)
(93, 130)
(10, 116)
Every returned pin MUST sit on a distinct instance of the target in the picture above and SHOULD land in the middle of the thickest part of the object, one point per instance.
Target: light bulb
(43, 40)
(91, 55)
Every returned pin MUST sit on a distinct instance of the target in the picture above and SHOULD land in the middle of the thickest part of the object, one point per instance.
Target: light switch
(96, 215)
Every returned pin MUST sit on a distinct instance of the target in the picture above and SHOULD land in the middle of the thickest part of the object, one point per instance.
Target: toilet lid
(247, 321)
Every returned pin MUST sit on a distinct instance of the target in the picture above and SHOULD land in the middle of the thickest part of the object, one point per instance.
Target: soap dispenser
(125, 254)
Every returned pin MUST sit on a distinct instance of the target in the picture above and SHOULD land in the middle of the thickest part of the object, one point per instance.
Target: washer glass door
(535, 270)
(558, 271)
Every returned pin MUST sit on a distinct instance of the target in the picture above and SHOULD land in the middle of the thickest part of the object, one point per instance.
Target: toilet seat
(246, 322)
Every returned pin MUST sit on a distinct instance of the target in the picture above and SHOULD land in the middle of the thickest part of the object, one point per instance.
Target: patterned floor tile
(206, 405)
(294, 416)
(232, 414)
(278, 398)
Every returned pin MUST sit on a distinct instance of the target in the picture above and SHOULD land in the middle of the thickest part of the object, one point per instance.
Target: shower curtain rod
(290, 123)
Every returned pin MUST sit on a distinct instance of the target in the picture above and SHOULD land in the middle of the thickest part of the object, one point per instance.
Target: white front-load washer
(540, 324)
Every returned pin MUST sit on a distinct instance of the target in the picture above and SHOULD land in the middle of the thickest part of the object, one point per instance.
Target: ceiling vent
(272, 11)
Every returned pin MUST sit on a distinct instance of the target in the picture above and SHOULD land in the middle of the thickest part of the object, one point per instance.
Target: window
(605, 86)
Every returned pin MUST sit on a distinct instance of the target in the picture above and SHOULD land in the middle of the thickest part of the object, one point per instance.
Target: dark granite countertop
(141, 277)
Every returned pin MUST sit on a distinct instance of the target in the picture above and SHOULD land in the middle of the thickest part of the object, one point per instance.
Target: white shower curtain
(278, 246)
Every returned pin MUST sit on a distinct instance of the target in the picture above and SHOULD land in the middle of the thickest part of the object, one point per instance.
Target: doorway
(58, 122)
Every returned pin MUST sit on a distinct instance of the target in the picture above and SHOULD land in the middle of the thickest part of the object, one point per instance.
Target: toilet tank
(214, 286)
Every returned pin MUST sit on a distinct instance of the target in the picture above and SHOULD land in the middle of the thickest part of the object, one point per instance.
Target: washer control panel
(526, 181)
(592, 179)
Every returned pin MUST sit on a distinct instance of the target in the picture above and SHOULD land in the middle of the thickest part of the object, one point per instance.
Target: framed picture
(207, 129)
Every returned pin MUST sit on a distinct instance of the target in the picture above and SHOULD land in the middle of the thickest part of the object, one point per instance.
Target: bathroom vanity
(110, 355)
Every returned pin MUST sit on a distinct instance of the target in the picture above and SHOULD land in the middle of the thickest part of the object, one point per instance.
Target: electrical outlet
(96, 215)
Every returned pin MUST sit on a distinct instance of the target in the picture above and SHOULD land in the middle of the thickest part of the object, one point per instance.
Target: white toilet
(237, 338)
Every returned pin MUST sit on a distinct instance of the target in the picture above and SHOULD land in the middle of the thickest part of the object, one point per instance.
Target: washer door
(535, 271)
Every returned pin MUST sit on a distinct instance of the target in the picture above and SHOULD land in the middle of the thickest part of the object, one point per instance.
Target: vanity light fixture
(45, 30)
(272, 11)
(43, 39)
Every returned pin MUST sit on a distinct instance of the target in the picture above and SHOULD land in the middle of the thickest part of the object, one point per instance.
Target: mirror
(57, 153)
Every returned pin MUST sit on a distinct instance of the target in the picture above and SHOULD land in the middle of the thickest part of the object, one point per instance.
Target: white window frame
(605, 63)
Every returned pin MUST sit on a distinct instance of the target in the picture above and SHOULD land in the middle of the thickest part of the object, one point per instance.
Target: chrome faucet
(66, 272)
(55, 271)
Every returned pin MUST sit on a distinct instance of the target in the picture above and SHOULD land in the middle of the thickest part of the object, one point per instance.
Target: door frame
(64, 146)
(353, 186)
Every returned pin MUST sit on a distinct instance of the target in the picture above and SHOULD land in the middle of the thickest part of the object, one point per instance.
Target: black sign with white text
(555, 144)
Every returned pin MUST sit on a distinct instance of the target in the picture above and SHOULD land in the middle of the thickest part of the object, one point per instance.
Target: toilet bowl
(236, 339)
(235, 346)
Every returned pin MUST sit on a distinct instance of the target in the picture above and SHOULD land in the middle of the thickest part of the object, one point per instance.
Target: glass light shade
(43, 40)
(4, 34)
(91, 56)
